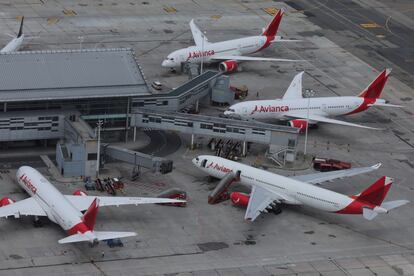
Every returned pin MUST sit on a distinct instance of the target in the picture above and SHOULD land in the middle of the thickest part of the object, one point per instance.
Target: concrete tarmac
(202, 239)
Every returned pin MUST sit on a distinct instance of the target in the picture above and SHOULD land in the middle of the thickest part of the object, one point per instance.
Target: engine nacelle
(301, 124)
(228, 66)
(240, 199)
(79, 193)
(6, 201)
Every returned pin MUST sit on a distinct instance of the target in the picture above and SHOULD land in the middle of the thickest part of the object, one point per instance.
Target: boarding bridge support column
(135, 134)
(244, 149)
(192, 142)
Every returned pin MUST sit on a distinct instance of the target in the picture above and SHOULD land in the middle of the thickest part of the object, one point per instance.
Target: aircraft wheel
(277, 210)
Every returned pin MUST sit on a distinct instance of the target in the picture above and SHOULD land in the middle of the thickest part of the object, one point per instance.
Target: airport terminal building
(61, 95)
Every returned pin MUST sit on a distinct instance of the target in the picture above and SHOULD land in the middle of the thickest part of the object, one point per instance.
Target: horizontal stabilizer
(369, 214)
(96, 236)
(385, 105)
(389, 205)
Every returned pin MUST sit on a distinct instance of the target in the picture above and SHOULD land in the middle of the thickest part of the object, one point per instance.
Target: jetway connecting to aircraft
(282, 140)
(138, 159)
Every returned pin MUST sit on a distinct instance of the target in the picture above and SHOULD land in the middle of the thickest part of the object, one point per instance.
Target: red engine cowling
(240, 199)
(79, 193)
(228, 66)
(6, 201)
(301, 124)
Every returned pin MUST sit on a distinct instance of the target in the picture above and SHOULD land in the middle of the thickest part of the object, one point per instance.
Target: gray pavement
(203, 239)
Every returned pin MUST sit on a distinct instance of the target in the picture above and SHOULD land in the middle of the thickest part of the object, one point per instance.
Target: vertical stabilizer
(89, 218)
(273, 26)
(376, 193)
(373, 91)
(20, 33)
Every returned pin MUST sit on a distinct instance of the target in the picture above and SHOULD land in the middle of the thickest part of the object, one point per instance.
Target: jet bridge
(138, 159)
(279, 138)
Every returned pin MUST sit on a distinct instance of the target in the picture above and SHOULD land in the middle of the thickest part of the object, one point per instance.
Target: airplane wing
(259, 199)
(319, 118)
(246, 58)
(316, 178)
(198, 36)
(82, 203)
(25, 207)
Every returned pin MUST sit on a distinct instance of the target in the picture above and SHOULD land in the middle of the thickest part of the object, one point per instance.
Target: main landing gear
(37, 222)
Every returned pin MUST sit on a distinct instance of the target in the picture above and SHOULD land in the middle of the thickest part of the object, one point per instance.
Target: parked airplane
(16, 42)
(66, 210)
(269, 190)
(294, 108)
(228, 52)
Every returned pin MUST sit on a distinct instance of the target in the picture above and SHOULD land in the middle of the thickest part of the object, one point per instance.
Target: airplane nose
(164, 63)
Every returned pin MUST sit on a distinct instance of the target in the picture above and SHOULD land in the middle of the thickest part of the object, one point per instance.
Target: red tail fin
(273, 26)
(374, 90)
(89, 218)
(376, 193)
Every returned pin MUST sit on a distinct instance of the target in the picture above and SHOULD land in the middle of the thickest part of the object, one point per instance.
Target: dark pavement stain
(211, 246)
(309, 232)
(168, 31)
(15, 256)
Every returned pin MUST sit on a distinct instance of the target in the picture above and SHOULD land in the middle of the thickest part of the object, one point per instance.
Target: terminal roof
(70, 74)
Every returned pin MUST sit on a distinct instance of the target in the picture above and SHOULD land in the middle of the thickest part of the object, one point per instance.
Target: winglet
(374, 89)
(21, 28)
(273, 26)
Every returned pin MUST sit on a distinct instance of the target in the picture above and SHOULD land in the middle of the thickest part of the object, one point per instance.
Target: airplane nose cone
(165, 63)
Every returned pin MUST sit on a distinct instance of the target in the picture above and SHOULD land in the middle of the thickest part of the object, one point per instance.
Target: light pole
(308, 93)
(81, 38)
(98, 150)
(202, 52)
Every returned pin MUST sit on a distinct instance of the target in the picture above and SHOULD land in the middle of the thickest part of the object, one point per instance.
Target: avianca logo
(270, 108)
(198, 54)
(28, 183)
(218, 167)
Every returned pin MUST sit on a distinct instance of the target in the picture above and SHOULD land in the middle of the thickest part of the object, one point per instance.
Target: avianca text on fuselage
(270, 108)
(28, 183)
(220, 168)
(198, 54)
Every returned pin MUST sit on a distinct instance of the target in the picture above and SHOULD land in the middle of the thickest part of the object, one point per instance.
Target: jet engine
(240, 199)
(79, 192)
(301, 124)
(6, 201)
(228, 66)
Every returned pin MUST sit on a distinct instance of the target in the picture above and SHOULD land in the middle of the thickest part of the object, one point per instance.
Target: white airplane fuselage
(280, 109)
(54, 203)
(295, 192)
(195, 54)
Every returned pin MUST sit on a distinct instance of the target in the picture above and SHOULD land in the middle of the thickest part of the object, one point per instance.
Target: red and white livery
(293, 107)
(270, 190)
(229, 52)
(66, 210)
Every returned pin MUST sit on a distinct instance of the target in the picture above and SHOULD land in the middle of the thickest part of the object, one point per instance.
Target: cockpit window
(204, 163)
(172, 59)
(231, 110)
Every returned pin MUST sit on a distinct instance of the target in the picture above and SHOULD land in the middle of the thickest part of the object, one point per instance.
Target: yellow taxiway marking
(371, 25)
(69, 12)
(271, 10)
(170, 9)
(216, 17)
(52, 20)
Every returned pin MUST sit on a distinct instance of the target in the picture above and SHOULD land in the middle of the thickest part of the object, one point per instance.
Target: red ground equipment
(325, 165)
